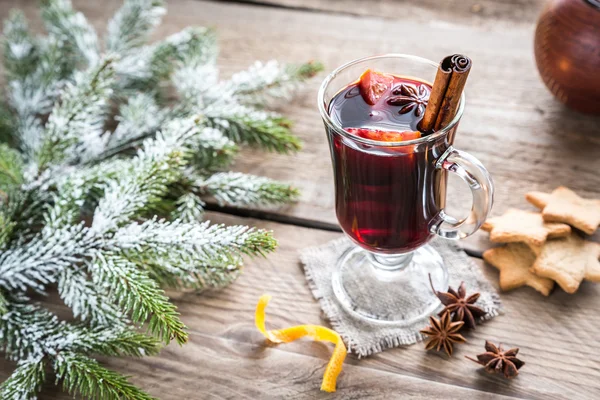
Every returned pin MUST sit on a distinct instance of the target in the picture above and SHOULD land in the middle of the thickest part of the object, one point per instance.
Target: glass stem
(390, 263)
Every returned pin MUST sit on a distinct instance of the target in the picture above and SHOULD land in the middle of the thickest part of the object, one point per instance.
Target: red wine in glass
(386, 198)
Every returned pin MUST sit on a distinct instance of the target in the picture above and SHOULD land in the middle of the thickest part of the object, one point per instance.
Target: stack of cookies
(547, 246)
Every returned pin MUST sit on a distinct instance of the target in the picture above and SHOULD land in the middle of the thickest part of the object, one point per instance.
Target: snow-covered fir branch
(240, 189)
(20, 48)
(81, 203)
(38, 262)
(132, 24)
(36, 338)
(243, 124)
(26, 380)
(84, 376)
(138, 118)
(189, 208)
(75, 126)
(71, 28)
(89, 300)
(264, 83)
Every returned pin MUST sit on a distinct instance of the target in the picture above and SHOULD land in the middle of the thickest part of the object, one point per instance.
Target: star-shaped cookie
(523, 226)
(569, 261)
(564, 205)
(514, 261)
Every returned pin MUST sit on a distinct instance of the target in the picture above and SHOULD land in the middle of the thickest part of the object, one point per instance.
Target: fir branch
(69, 200)
(138, 118)
(83, 376)
(270, 132)
(24, 209)
(3, 303)
(188, 246)
(68, 171)
(191, 46)
(11, 169)
(240, 189)
(142, 185)
(134, 73)
(20, 49)
(212, 150)
(29, 132)
(137, 293)
(132, 24)
(179, 254)
(71, 27)
(37, 263)
(263, 83)
(147, 68)
(189, 208)
(6, 229)
(7, 125)
(28, 331)
(88, 301)
(126, 343)
(79, 118)
(25, 381)
(192, 80)
(34, 94)
(23, 329)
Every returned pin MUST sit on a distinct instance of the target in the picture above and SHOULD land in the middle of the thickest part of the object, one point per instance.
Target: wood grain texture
(227, 357)
(472, 12)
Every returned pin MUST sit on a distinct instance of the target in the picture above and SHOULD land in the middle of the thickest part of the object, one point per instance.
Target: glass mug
(389, 200)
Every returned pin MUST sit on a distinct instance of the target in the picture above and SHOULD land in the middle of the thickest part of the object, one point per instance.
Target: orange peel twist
(316, 332)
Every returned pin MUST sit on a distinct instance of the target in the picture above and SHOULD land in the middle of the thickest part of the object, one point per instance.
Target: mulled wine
(386, 197)
(391, 139)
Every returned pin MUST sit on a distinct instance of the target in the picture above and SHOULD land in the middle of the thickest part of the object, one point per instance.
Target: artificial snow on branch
(107, 209)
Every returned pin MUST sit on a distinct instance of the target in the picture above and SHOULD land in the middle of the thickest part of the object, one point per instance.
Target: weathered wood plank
(209, 367)
(463, 11)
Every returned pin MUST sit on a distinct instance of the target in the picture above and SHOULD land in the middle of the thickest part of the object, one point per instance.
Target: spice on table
(316, 332)
(443, 333)
(461, 307)
(495, 359)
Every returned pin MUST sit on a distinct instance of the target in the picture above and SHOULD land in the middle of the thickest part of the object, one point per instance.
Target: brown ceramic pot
(567, 52)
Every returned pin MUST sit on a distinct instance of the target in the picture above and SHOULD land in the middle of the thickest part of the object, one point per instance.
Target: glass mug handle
(474, 174)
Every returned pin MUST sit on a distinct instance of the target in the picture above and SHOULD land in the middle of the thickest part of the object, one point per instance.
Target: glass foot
(390, 289)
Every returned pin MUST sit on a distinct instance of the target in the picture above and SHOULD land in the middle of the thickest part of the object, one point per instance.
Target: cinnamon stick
(447, 89)
(438, 91)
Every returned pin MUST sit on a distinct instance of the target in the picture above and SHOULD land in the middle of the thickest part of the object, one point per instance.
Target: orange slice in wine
(316, 332)
(384, 136)
(372, 85)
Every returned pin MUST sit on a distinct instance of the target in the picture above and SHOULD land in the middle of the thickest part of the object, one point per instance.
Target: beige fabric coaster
(364, 338)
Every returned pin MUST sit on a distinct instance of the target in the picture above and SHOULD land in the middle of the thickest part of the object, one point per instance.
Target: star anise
(443, 333)
(495, 359)
(459, 305)
(410, 98)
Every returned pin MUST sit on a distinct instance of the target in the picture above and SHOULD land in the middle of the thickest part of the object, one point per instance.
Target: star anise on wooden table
(461, 307)
(410, 98)
(443, 333)
(495, 359)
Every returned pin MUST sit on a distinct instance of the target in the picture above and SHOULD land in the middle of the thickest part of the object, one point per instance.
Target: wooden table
(512, 124)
